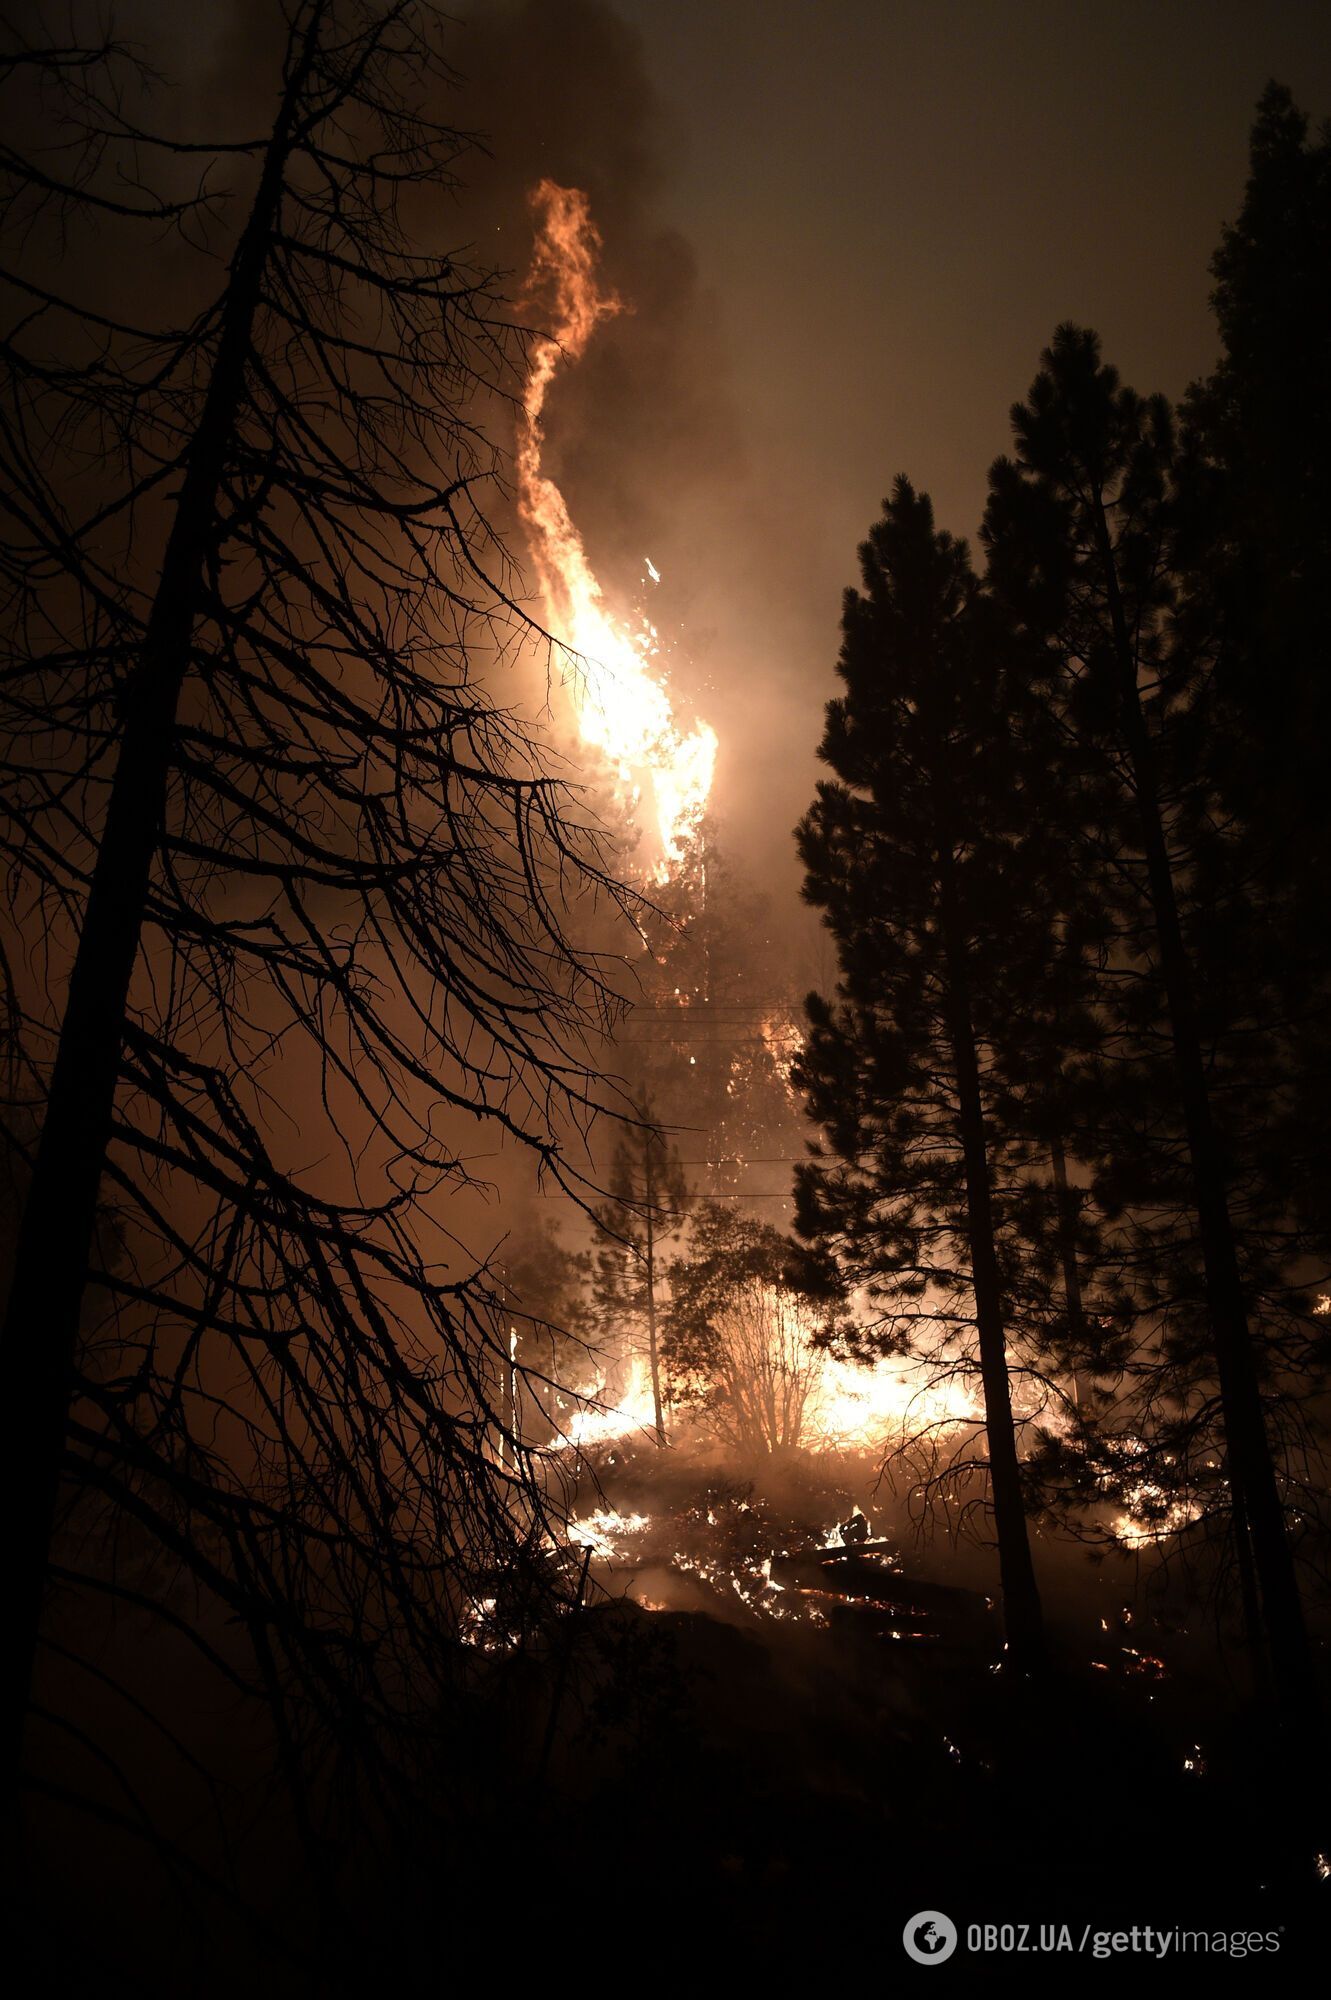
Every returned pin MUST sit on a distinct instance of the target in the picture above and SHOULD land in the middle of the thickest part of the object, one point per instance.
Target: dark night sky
(897, 200)
(890, 204)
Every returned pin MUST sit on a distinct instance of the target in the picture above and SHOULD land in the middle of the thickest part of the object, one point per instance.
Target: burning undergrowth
(790, 1544)
(816, 1544)
(707, 1544)
(771, 1638)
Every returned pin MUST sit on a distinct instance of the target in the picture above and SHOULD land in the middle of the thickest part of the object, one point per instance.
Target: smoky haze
(845, 233)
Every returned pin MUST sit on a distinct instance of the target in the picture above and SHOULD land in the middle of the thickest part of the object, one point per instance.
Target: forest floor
(762, 1735)
(753, 1744)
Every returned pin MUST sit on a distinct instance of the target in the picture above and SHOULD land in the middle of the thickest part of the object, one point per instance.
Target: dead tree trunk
(52, 1253)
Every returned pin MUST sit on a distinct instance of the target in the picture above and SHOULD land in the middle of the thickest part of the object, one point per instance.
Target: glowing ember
(622, 705)
(481, 1626)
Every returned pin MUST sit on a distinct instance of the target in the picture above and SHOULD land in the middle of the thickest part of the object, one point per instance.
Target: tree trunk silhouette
(1066, 1205)
(1251, 1465)
(653, 1348)
(1022, 1615)
(51, 1256)
(263, 803)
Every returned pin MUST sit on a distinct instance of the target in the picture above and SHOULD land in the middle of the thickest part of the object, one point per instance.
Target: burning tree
(288, 888)
(711, 1028)
(743, 1337)
(623, 708)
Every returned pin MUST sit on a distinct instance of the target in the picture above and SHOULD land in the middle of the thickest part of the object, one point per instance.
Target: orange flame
(622, 706)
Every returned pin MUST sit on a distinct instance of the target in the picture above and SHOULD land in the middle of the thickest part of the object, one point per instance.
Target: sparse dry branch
(292, 900)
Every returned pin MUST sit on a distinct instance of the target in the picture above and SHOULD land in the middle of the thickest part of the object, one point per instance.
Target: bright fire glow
(850, 1408)
(854, 1406)
(1154, 1515)
(605, 1531)
(1166, 1517)
(621, 703)
(599, 1421)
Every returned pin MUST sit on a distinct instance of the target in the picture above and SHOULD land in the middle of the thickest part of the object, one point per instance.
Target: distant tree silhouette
(713, 1021)
(647, 1202)
(552, 1328)
(742, 1335)
(287, 885)
(1260, 496)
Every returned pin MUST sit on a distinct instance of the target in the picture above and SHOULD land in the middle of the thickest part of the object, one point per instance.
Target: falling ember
(622, 706)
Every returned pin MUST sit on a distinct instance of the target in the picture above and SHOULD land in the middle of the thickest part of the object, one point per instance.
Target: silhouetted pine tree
(1080, 537)
(1254, 554)
(933, 1072)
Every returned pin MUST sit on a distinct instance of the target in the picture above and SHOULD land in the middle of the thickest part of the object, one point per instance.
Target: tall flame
(621, 703)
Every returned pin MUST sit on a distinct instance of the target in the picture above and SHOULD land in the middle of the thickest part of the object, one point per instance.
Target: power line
(722, 1194)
